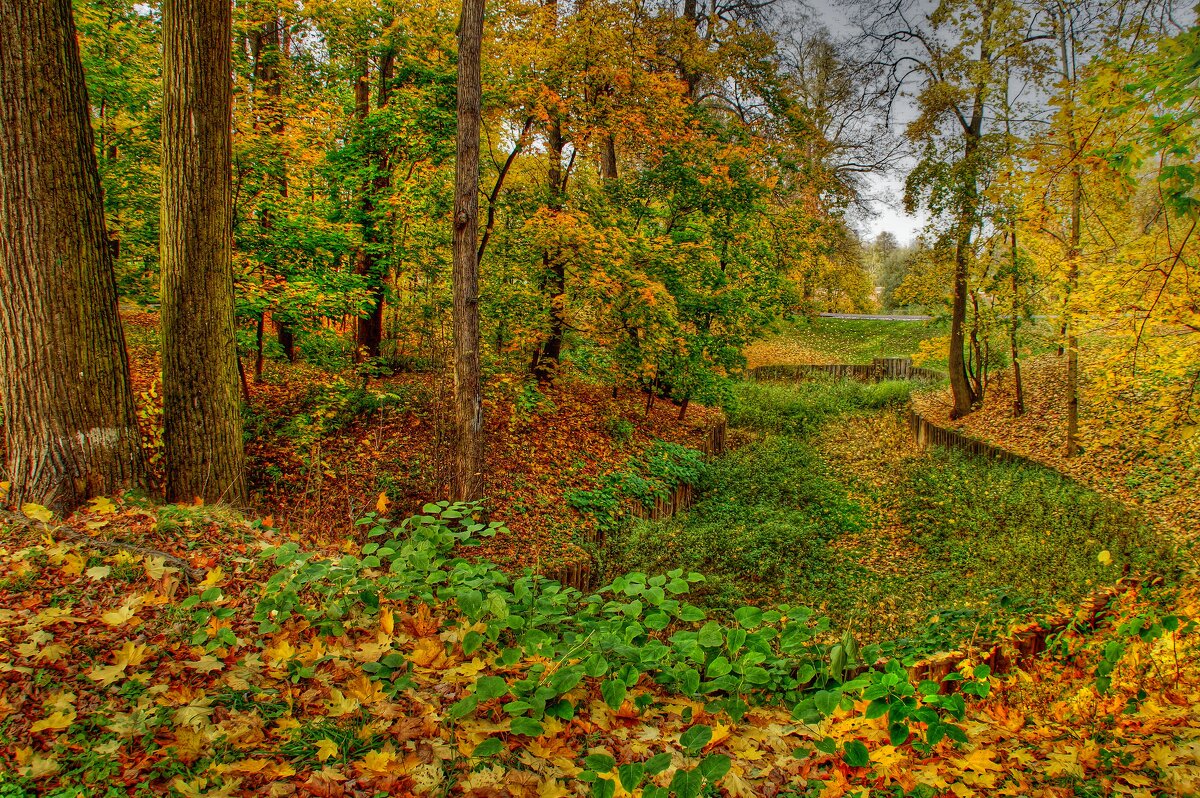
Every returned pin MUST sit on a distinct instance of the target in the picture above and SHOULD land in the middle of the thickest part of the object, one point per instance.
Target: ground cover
(1127, 453)
(832, 506)
(281, 671)
(829, 340)
(323, 445)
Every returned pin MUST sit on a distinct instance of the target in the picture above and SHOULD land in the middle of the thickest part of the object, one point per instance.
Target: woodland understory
(383, 413)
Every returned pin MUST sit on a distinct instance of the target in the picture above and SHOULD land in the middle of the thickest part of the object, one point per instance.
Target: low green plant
(759, 533)
(642, 480)
(800, 408)
(1022, 531)
(547, 639)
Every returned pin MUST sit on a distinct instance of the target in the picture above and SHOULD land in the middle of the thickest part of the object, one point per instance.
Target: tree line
(629, 190)
(624, 189)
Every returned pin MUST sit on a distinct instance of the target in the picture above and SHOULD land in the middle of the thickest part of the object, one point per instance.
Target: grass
(1015, 535)
(859, 340)
(801, 408)
(923, 549)
(760, 533)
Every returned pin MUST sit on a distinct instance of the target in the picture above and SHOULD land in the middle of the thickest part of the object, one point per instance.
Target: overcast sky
(887, 194)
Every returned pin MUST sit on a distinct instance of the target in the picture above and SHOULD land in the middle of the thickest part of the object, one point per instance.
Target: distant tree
(202, 426)
(69, 415)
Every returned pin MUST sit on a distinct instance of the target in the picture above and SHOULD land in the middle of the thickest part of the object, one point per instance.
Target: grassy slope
(824, 340)
(833, 507)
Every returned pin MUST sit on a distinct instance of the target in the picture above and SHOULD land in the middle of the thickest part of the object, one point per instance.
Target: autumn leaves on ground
(292, 650)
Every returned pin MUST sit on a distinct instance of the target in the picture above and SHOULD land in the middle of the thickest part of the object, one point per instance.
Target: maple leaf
(213, 577)
(37, 512)
(98, 572)
(102, 505)
(429, 652)
(339, 704)
(279, 653)
(156, 568)
(326, 749)
(55, 722)
(123, 614)
(194, 714)
(206, 664)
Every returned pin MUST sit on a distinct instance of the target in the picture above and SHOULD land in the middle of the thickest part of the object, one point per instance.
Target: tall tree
(202, 427)
(468, 415)
(956, 53)
(69, 415)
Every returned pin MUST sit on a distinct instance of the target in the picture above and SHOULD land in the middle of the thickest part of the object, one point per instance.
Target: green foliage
(636, 627)
(328, 408)
(801, 408)
(768, 507)
(1026, 531)
(650, 476)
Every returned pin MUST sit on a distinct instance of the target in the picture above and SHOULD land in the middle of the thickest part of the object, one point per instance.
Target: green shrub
(760, 533)
(801, 408)
(644, 479)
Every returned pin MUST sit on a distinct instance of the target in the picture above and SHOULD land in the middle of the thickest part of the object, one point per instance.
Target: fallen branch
(190, 573)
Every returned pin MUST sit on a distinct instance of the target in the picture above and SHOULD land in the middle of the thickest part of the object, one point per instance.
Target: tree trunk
(287, 340)
(960, 382)
(369, 332)
(555, 269)
(202, 426)
(1013, 326)
(468, 400)
(70, 420)
(608, 161)
(267, 49)
(1074, 249)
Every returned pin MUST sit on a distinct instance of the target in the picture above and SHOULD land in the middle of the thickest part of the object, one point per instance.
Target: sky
(886, 193)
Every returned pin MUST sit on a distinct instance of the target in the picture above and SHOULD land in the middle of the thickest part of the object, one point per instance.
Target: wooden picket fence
(879, 369)
(579, 574)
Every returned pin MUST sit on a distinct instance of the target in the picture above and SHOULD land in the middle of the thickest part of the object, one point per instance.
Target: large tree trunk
(202, 426)
(69, 414)
(468, 402)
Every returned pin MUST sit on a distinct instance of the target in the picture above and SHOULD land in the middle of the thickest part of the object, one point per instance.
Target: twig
(192, 574)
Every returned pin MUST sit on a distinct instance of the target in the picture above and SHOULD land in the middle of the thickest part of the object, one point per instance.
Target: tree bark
(546, 362)
(468, 400)
(369, 333)
(1074, 249)
(70, 419)
(1013, 326)
(202, 426)
(608, 160)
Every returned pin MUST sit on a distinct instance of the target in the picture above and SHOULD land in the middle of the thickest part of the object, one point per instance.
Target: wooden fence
(579, 574)
(881, 368)
(927, 434)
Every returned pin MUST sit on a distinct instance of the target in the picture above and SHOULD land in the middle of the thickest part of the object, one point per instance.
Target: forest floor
(144, 652)
(322, 448)
(1122, 457)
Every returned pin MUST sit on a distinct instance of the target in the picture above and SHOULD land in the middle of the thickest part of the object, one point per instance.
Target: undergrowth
(801, 408)
(760, 533)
